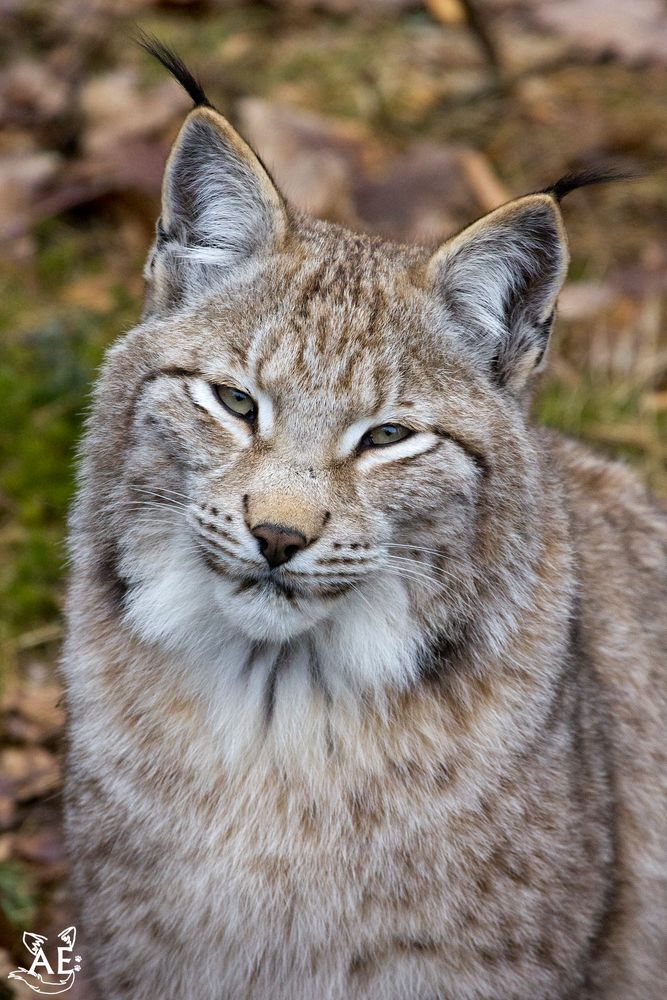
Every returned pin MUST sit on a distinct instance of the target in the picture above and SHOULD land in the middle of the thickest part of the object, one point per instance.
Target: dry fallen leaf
(447, 11)
(655, 402)
(117, 110)
(32, 713)
(634, 31)
(426, 193)
(7, 811)
(27, 772)
(44, 850)
(353, 6)
(583, 300)
(6, 846)
(482, 180)
(23, 178)
(91, 292)
(30, 92)
(312, 158)
(335, 170)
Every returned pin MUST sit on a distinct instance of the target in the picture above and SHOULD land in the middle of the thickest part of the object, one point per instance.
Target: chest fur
(369, 856)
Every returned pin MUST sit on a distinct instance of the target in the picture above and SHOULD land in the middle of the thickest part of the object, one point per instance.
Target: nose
(278, 544)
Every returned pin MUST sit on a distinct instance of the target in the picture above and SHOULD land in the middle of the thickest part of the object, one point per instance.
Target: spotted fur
(424, 758)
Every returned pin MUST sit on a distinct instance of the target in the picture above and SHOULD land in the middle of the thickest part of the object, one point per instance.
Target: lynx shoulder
(365, 672)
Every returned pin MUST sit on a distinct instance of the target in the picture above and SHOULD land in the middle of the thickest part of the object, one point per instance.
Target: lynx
(365, 672)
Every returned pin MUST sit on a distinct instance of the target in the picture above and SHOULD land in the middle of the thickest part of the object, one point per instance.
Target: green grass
(18, 893)
(48, 355)
(613, 420)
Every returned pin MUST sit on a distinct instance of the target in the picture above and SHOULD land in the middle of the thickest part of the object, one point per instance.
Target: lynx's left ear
(498, 281)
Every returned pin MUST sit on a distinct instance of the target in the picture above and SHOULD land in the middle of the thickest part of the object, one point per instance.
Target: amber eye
(380, 437)
(239, 403)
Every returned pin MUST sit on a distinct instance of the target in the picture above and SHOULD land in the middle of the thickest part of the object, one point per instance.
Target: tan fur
(431, 763)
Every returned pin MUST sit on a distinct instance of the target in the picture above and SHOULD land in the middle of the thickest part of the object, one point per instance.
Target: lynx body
(365, 673)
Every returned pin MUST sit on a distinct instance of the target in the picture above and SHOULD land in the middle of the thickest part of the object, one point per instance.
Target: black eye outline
(248, 418)
(367, 441)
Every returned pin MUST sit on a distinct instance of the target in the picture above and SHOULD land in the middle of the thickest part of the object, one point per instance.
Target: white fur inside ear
(217, 192)
(220, 210)
(498, 282)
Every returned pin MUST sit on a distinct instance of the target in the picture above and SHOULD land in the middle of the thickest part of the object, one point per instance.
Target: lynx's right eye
(235, 401)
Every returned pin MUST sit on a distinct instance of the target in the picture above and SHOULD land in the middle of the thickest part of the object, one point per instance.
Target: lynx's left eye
(380, 437)
(237, 402)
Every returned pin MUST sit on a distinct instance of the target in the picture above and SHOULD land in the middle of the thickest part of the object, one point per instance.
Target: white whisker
(399, 571)
(155, 505)
(162, 491)
(440, 585)
(363, 597)
(435, 570)
(416, 548)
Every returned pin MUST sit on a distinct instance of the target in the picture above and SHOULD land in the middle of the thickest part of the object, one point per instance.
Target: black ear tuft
(172, 62)
(603, 174)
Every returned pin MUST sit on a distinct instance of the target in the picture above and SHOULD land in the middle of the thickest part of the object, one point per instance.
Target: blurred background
(405, 118)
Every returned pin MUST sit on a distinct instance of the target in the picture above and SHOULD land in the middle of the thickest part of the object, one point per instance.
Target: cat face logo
(41, 977)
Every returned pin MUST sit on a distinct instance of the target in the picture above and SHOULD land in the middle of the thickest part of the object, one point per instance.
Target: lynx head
(315, 437)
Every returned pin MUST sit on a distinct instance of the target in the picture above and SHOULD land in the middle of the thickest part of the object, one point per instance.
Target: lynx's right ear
(220, 208)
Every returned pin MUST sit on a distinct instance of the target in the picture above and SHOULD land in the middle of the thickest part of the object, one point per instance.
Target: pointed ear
(68, 936)
(33, 942)
(219, 209)
(498, 281)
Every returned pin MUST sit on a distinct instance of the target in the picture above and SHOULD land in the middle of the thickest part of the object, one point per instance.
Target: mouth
(278, 582)
(270, 605)
(267, 584)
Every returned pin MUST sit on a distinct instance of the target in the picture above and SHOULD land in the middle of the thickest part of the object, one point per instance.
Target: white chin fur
(363, 641)
(264, 615)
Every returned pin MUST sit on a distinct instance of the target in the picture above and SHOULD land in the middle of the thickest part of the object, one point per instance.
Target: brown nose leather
(278, 544)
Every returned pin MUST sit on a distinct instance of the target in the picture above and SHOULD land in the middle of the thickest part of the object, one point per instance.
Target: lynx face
(319, 437)
(300, 486)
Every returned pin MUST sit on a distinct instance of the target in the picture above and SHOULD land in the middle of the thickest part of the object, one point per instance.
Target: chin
(265, 613)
